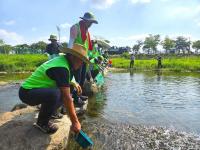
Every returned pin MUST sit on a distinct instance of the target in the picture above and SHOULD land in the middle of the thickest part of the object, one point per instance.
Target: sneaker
(50, 128)
(57, 115)
(84, 98)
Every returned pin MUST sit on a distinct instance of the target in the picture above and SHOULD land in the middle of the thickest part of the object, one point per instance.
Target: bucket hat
(88, 16)
(53, 37)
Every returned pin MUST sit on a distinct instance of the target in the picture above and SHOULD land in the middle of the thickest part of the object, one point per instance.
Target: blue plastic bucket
(83, 140)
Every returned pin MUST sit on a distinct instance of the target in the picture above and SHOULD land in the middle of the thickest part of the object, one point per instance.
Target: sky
(122, 22)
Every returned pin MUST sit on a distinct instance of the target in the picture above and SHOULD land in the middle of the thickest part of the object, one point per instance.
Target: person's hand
(76, 126)
(78, 88)
(91, 80)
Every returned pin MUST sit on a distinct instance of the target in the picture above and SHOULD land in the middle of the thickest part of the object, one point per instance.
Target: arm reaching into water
(68, 103)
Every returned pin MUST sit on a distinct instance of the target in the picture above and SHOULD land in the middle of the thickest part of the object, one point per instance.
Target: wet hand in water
(91, 80)
(76, 127)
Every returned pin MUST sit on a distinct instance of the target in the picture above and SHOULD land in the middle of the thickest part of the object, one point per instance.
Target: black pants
(159, 64)
(94, 73)
(131, 63)
(49, 98)
(80, 75)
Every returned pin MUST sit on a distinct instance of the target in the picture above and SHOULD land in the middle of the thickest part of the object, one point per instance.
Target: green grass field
(29, 62)
(169, 64)
(21, 63)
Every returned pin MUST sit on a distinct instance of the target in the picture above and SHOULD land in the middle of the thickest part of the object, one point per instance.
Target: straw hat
(53, 37)
(77, 50)
(89, 17)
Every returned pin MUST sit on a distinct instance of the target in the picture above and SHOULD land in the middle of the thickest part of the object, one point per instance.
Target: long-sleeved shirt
(52, 49)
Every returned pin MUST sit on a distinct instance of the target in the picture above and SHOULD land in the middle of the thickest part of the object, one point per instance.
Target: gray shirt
(132, 57)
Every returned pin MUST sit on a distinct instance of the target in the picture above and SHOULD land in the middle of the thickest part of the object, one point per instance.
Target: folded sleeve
(60, 75)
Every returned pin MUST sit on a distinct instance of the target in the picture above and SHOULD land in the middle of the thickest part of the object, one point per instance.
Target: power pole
(58, 29)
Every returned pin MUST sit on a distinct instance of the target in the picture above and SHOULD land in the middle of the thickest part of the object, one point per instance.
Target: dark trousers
(49, 98)
(80, 75)
(94, 73)
(159, 64)
(131, 63)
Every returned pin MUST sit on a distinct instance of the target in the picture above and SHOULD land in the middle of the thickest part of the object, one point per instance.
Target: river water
(9, 92)
(154, 99)
(145, 110)
(136, 110)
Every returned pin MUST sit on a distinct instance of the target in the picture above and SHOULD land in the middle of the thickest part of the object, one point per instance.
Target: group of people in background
(56, 82)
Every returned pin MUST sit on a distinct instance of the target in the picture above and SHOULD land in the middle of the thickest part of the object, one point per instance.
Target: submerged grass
(169, 64)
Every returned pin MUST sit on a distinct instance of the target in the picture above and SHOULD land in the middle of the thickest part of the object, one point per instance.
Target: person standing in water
(132, 59)
(159, 59)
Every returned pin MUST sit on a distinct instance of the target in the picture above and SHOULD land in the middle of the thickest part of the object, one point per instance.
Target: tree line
(179, 45)
(34, 48)
(149, 46)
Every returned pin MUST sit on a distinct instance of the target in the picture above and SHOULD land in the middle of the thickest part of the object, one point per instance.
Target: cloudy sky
(120, 21)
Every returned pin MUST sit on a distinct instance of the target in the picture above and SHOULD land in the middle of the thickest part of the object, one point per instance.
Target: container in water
(99, 79)
(83, 140)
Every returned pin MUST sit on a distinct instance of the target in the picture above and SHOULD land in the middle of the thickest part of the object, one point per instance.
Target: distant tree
(41, 46)
(196, 46)
(33, 48)
(146, 49)
(137, 46)
(38, 47)
(181, 44)
(168, 44)
(1, 42)
(16, 49)
(22, 49)
(5, 48)
(151, 42)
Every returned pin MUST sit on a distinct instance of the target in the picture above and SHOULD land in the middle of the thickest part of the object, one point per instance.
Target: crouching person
(49, 86)
(94, 68)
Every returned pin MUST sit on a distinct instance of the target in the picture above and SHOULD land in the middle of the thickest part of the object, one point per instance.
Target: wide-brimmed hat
(77, 50)
(53, 37)
(88, 16)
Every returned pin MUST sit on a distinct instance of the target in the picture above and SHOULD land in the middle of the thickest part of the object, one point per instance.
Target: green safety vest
(90, 54)
(79, 40)
(39, 78)
(94, 53)
(95, 66)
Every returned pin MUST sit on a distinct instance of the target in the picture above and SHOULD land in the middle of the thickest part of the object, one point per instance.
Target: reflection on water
(96, 105)
(154, 99)
(128, 111)
(8, 97)
(134, 105)
(9, 92)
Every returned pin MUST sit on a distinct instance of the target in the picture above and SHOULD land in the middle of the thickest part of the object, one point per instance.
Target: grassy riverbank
(29, 62)
(190, 63)
(21, 63)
